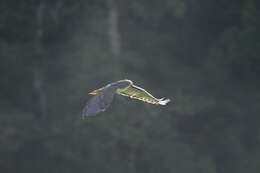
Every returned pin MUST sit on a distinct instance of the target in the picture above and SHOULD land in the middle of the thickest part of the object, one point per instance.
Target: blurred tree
(113, 30)
(203, 54)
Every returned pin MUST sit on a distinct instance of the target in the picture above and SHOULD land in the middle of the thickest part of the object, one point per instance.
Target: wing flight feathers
(139, 93)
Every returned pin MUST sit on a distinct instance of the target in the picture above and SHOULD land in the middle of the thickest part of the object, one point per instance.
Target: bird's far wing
(99, 103)
(136, 92)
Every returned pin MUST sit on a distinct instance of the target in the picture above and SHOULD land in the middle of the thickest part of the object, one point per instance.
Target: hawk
(104, 96)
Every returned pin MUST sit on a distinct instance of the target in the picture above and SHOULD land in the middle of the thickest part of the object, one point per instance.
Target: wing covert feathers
(136, 92)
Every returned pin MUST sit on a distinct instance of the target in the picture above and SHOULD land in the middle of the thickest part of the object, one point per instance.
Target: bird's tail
(163, 101)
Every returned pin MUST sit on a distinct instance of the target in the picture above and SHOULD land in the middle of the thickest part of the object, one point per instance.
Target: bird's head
(95, 92)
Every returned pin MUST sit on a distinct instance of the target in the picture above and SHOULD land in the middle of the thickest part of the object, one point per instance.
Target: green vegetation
(204, 55)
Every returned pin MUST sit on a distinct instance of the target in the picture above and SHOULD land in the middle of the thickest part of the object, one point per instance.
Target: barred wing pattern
(136, 92)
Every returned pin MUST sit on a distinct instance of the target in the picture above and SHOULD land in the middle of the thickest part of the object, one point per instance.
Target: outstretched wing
(136, 92)
(99, 103)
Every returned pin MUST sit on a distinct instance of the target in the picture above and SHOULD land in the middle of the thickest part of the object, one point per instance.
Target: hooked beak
(95, 92)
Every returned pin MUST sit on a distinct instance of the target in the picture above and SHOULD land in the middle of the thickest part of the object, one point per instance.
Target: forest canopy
(204, 55)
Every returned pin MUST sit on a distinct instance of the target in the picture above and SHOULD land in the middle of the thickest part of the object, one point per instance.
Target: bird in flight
(104, 96)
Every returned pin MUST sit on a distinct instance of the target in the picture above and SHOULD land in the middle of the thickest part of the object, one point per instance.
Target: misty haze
(203, 55)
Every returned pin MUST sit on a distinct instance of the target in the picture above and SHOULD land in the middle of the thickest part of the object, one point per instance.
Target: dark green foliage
(204, 55)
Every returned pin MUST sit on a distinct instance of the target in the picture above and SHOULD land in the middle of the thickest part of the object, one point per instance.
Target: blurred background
(204, 55)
